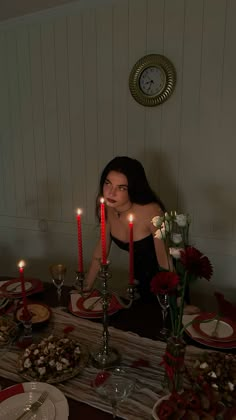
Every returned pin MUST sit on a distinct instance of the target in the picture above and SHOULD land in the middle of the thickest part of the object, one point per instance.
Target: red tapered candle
(21, 266)
(80, 246)
(103, 231)
(131, 251)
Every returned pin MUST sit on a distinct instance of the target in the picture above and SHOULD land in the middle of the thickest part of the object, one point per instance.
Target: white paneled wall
(66, 110)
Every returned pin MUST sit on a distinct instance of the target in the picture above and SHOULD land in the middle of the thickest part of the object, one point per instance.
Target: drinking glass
(163, 300)
(114, 385)
(58, 273)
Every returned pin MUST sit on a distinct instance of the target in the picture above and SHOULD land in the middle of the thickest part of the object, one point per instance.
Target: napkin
(226, 308)
(74, 297)
(11, 391)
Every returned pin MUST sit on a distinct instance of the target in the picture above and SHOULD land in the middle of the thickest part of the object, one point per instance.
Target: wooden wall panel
(51, 121)
(39, 119)
(120, 76)
(26, 121)
(90, 107)
(77, 121)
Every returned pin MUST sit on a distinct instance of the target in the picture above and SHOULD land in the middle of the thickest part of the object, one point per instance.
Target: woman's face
(115, 189)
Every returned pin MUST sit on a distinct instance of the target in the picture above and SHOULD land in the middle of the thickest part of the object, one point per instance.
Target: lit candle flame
(79, 212)
(21, 264)
(102, 200)
(131, 218)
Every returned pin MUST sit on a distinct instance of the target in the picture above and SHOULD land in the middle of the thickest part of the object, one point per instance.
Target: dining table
(140, 323)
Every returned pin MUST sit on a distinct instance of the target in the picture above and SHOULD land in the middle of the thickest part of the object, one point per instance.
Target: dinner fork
(34, 407)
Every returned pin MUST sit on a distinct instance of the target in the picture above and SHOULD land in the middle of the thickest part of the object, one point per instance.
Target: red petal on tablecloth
(12, 390)
(226, 308)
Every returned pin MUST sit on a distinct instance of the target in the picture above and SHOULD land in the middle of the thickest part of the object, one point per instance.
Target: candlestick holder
(79, 281)
(106, 356)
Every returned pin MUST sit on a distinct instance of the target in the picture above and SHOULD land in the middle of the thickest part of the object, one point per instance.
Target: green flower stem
(182, 304)
(196, 321)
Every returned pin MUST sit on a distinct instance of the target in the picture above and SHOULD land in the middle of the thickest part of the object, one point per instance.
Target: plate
(226, 329)
(83, 305)
(56, 402)
(205, 341)
(14, 406)
(58, 352)
(13, 287)
(40, 312)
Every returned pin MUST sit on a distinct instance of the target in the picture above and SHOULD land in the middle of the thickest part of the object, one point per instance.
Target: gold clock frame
(152, 60)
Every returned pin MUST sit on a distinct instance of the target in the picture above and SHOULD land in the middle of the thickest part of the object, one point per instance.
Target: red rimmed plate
(12, 288)
(84, 303)
(226, 329)
(204, 341)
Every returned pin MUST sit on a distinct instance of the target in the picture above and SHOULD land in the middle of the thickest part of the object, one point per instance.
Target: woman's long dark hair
(139, 189)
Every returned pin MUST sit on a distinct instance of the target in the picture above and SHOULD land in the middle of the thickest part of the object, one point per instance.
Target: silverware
(90, 307)
(34, 407)
(215, 331)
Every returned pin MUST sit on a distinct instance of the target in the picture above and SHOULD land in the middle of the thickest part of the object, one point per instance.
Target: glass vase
(173, 362)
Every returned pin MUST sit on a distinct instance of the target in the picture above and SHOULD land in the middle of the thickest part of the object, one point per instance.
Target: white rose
(36, 352)
(27, 363)
(157, 221)
(27, 352)
(65, 361)
(176, 238)
(181, 220)
(175, 252)
(52, 363)
(42, 370)
(59, 366)
(160, 234)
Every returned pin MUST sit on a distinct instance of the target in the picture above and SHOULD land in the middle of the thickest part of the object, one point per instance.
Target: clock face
(152, 80)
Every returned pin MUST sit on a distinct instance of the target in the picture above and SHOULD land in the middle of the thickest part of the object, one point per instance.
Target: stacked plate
(12, 288)
(91, 306)
(17, 398)
(211, 331)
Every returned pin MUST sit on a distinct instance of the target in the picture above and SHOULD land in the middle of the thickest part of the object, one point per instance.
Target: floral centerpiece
(186, 264)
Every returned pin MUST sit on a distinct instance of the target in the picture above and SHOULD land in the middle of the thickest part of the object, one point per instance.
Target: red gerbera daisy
(195, 263)
(164, 282)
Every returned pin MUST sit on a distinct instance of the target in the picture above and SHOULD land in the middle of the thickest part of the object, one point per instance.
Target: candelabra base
(102, 360)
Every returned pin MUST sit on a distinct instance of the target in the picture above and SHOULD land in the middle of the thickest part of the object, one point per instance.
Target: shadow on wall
(162, 178)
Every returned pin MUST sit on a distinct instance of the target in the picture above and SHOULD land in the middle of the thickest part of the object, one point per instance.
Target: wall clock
(152, 80)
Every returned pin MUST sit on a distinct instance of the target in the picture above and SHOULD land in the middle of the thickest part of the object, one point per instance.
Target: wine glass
(114, 384)
(163, 300)
(58, 273)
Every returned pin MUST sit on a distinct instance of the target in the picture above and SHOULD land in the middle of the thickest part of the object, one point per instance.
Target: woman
(126, 191)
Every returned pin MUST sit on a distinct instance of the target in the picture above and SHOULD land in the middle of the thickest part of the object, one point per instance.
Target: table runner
(131, 346)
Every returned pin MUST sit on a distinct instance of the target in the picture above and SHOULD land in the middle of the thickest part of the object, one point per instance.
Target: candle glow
(21, 266)
(80, 246)
(131, 250)
(103, 230)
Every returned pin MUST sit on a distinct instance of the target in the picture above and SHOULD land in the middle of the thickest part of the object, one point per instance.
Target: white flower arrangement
(51, 357)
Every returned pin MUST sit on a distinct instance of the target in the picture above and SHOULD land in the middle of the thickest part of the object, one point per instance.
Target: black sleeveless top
(145, 263)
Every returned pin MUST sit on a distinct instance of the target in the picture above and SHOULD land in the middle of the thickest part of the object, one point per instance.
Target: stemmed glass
(114, 385)
(58, 273)
(163, 300)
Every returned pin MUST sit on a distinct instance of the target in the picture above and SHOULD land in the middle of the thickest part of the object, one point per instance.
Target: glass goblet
(58, 273)
(114, 385)
(163, 300)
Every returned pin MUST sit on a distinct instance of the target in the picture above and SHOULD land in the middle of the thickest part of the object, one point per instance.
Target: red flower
(68, 329)
(196, 263)
(164, 282)
(100, 378)
(165, 410)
